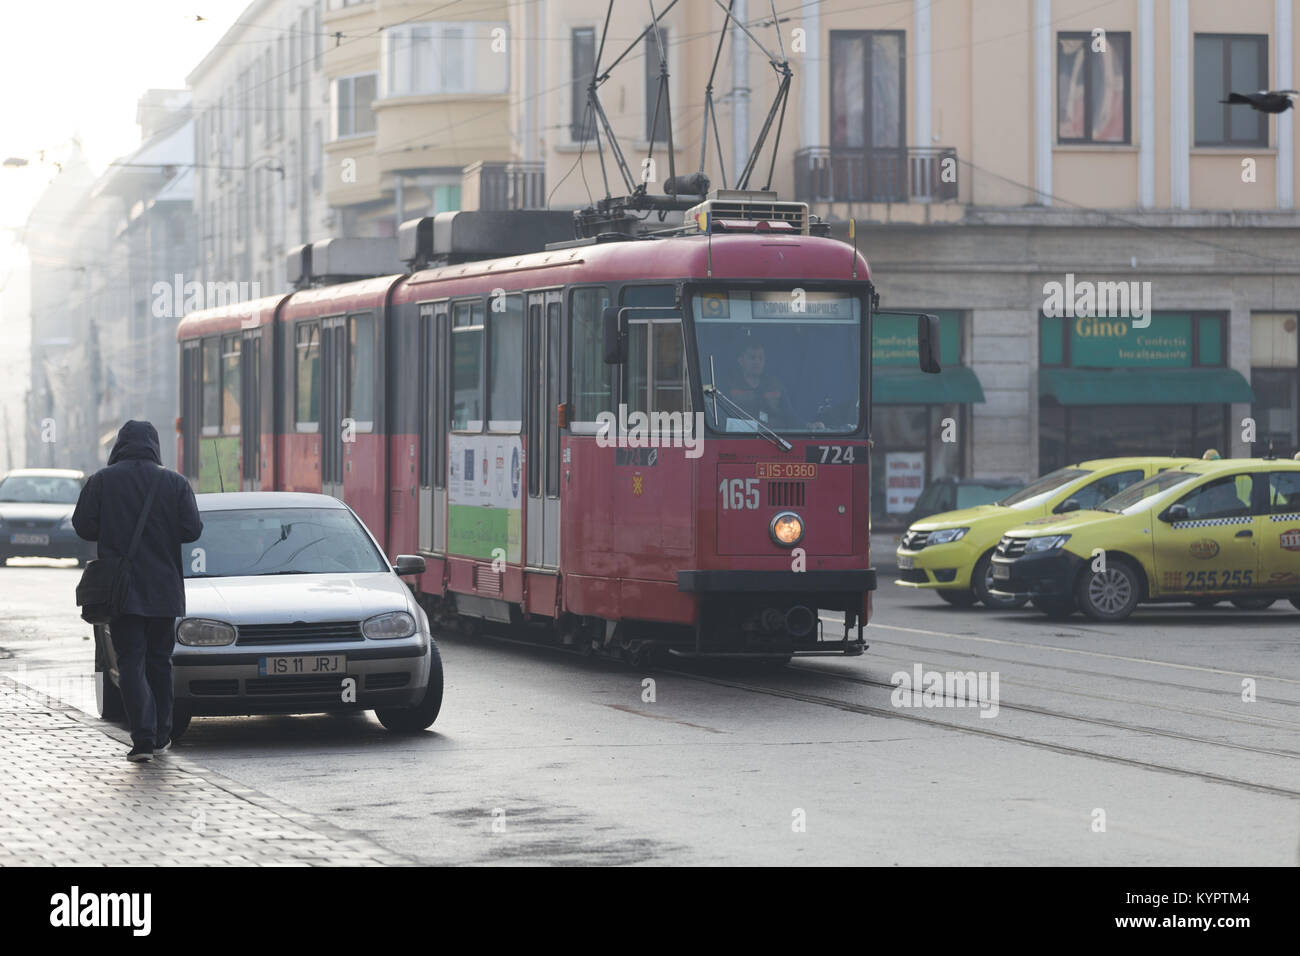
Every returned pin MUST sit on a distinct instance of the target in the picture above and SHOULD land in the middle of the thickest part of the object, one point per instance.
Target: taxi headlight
(786, 529)
(1046, 543)
(384, 627)
(197, 632)
(947, 535)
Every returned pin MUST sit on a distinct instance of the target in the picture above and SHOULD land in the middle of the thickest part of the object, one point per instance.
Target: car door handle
(1244, 534)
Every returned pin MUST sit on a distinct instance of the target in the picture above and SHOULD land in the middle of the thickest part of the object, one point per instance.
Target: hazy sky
(75, 68)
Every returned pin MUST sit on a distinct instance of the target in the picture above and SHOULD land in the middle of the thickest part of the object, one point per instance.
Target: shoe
(140, 754)
(162, 748)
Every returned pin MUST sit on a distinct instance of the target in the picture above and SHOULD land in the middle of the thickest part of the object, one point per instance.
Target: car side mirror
(615, 336)
(1175, 513)
(408, 564)
(1069, 504)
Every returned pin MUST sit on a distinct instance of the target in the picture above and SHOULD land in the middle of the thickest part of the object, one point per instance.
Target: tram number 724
(830, 454)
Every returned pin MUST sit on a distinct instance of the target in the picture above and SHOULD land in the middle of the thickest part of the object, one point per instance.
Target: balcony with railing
(905, 174)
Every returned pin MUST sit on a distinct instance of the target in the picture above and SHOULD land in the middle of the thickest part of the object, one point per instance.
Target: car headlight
(786, 529)
(197, 632)
(947, 535)
(383, 627)
(1046, 543)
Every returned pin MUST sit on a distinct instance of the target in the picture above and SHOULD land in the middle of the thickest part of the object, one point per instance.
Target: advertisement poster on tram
(484, 508)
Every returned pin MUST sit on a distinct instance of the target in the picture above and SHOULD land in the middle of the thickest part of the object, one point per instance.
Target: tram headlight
(786, 529)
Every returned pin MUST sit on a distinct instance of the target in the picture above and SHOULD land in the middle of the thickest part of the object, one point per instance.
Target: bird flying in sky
(1265, 101)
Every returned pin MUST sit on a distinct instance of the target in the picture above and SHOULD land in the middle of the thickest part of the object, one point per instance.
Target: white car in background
(292, 607)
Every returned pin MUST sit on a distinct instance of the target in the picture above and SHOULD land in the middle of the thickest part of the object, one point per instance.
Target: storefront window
(1275, 378)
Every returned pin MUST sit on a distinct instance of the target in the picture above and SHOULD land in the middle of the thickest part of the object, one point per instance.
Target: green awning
(1144, 386)
(901, 385)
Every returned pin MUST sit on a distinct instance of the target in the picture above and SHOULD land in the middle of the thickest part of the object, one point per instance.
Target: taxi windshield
(789, 360)
(1135, 495)
(1034, 492)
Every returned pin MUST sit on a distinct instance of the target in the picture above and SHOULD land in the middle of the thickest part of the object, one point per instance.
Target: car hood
(287, 599)
(34, 511)
(1063, 524)
(963, 518)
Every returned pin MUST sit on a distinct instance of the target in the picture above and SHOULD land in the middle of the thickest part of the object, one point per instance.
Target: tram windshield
(788, 360)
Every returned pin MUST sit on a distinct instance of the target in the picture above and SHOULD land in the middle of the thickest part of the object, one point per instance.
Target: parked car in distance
(952, 552)
(1203, 532)
(292, 607)
(953, 494)
(36, 507)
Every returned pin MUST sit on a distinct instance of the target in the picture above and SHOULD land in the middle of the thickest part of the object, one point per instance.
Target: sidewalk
(68, 796)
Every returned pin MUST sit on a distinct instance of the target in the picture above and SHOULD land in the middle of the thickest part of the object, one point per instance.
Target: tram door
(545, 382)
(433, 426)
(250, 410)
(333, 354)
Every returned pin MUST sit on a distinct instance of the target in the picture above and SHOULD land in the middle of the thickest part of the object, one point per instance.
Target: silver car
(292, 607)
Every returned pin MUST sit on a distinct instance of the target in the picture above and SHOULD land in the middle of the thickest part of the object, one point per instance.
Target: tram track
(1065, 749)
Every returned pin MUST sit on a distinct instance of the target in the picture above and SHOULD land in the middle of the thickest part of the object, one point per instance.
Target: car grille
(214, 688)
(1011, 547)
(322, 632)
(914, 576)
(387, 681)
(293, 685)
(915, 540)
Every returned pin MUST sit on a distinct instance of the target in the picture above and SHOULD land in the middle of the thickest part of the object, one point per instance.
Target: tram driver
(762, 394)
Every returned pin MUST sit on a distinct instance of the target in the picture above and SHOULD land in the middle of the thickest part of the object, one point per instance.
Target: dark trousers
(144, 664)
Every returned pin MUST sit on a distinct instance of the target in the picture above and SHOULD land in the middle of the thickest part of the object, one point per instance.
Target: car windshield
(263, 541)
(1134, 495)
(33, 489)
(971, 495)
(1034, 492)
(787, 360)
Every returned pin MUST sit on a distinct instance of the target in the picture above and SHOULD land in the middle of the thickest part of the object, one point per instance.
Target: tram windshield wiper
(712, 391)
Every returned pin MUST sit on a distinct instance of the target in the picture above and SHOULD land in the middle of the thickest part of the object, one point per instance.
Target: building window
(867, 89)
(656, 123)
(582, 126)
(459, 57)
(1092, 88)
(1223, 64)
(1275, 379)
(353, 95)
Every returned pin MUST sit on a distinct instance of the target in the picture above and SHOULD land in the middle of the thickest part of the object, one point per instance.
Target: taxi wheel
(412, 720)
(1109, 595)
(957, 598)
(982, 583)
(1253, 603)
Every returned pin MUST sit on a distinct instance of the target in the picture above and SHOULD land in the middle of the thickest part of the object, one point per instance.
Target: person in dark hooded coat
(144, 634)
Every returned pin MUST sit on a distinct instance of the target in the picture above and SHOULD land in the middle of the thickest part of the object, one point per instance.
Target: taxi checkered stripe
(1213, 522)
(1293, 516)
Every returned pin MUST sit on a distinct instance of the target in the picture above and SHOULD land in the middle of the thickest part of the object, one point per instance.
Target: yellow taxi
(1202, 532)
(951, 553)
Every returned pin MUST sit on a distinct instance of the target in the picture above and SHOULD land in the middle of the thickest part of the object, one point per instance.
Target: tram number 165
(739, 494)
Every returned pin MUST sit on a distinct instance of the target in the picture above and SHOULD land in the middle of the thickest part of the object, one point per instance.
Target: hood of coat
(136, 440)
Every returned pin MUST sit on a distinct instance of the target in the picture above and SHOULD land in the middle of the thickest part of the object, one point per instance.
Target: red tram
(653, 443)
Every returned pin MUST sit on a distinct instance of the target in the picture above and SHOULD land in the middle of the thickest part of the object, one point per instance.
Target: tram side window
(361, 371)
(211, 386)
(592, 380)
(467, 366)
(506, 350)
(230, 384)
(307, 377)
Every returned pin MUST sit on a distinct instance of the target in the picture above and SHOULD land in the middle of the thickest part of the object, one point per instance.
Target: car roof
(1216, 465)
(270, 500)
(44, 473)
(1096, 464)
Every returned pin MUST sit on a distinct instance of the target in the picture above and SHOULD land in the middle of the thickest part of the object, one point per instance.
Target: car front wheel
(1109, 595)
(410, 720)
(982, 586)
